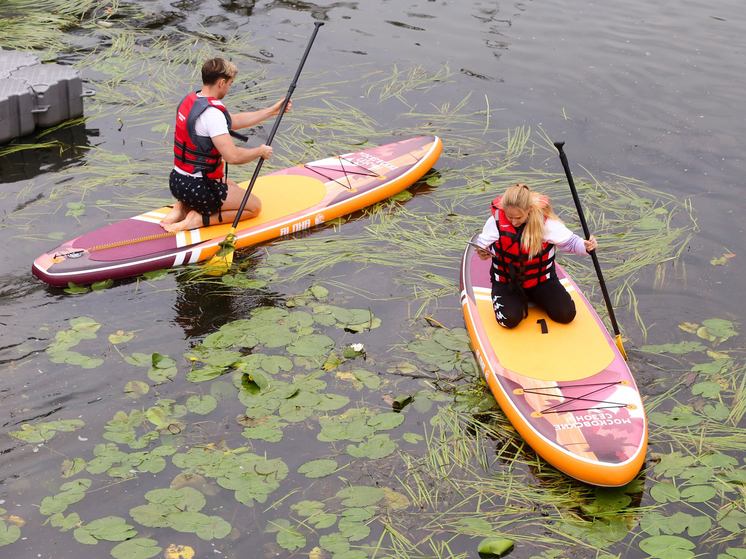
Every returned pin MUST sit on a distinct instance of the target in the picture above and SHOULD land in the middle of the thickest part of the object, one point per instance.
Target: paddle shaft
(576, 199)
(271, 136)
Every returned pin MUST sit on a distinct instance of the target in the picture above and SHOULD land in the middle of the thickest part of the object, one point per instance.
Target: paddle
(614, 325)
(223, 259)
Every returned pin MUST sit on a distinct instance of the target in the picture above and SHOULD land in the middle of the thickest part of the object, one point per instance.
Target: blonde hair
(537, 208)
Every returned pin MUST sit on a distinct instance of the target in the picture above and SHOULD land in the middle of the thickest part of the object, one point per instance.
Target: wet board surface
(293, 200)
(565, 387)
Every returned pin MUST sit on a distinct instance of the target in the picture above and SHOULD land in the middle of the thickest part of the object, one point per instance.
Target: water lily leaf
(287, 537)
(73, 467)
(386, 421)
(370, 380)
(110, 528)
(215, 357)
(698, 475)
(272, 364)
(395, 500)
(673, 464)
(708, 389)
(607, 500)
(676, 349)
(335, 543)
(253, 383)
(378, 446)
(275, 335)
(73, 289)
(649, 223)
(139, 548)
(205, 373)
(156, 275)
(136, 388)
(360, 495)
(412, 438)
(319, 292)
(321, 521)
(188, 521)
(491, 547)
(719, 327)
(699, 526)
(295, 414)
(203, 405)
(402, 196)
(732, 519)
(243, 282)
(64, 523)
(718, 412)
(664, 492)
(121, 337)
(216, 529)
(101, 285)
(679, 418)
(359, 514)
(690, 327)
(435, 181)
(312, 345)
(179, 552)
(455, 340)
(139, 360)
(318, 468)
(353, 530)
(270, 431)
(668, 547)
(8, 534)
(331, 402)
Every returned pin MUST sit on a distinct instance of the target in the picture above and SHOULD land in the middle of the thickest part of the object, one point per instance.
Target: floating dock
(35, 95)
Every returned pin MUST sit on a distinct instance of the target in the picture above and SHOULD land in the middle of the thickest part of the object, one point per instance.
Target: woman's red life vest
(193, 153)
(514, 265)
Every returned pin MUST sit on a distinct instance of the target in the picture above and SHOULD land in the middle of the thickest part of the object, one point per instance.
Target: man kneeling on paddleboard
(205, 196)
(521, 237)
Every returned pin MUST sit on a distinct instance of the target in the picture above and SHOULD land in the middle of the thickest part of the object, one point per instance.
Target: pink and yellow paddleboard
(565, 387)
(293, 200)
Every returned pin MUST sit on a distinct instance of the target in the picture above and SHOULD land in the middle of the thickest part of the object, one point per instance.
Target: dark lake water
(652, 92)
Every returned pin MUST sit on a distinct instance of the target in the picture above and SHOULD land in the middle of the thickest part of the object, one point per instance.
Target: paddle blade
(219, 264)
(621, 347)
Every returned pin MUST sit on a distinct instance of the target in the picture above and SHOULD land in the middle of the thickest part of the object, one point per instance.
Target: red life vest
(514, 263)
(193, 153)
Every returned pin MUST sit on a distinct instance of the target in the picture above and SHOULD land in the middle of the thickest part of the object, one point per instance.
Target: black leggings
(550, 295)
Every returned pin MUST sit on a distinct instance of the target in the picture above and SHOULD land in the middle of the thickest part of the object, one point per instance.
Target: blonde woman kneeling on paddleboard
(205, 196)
(521, 238)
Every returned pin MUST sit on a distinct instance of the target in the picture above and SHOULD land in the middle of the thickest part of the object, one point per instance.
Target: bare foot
(193, 220)
(178, 213)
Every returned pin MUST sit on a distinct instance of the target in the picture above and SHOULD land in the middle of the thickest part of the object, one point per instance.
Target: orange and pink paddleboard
(565, 387)
(293, 200)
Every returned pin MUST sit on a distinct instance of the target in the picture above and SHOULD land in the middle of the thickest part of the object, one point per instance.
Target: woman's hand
(483, 253)
(590, 244)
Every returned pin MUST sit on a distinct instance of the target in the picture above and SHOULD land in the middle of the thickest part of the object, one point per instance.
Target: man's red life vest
(193, 153)
(514, 263)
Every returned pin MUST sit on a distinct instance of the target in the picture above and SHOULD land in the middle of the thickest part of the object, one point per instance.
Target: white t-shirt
(210, 123)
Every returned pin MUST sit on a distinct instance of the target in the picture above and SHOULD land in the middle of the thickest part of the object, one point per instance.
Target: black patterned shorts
(203, 195)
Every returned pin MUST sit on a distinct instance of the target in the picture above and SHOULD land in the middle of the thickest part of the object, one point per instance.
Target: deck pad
(564, 352)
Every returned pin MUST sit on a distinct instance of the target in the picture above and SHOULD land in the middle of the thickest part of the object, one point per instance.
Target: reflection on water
(63, 147)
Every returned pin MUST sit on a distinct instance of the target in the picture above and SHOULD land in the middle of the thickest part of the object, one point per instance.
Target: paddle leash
(223, 259)
(614, 325)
